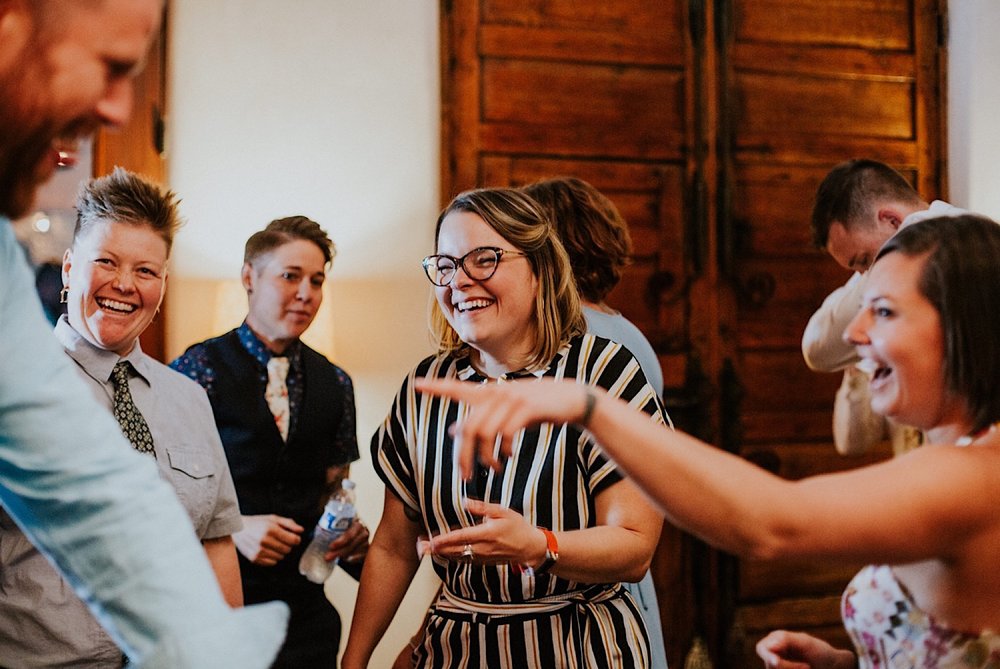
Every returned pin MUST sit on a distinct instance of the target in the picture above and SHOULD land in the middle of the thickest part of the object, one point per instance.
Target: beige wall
(327, 108)
(330, 108)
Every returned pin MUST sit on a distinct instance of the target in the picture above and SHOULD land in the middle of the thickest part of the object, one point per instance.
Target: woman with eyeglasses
(540, 547)
(927, 522)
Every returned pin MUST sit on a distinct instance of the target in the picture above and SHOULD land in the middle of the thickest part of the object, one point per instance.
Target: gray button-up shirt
(100, 509)
(44, 624)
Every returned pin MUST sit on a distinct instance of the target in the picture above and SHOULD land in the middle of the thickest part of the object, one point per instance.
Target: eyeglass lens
(478, 264)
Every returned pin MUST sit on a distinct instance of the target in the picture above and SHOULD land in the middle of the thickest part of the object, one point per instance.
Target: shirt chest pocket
(191, 472)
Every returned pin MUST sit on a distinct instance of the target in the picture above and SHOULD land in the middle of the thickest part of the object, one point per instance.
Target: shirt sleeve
(390, 447)
(346, 440)
(225, 519)
(614, 368)
(856, 428)
(193, 363)
(100, 511)
(823, 345)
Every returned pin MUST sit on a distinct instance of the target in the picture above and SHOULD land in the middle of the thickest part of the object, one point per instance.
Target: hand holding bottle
(337, 518)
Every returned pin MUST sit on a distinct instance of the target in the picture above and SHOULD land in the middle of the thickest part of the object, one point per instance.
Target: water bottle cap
(348, 484)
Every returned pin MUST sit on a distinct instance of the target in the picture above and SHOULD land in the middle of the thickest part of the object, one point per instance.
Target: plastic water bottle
(336, 518)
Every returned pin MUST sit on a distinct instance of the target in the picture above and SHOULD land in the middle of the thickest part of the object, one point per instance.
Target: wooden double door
(709, 124)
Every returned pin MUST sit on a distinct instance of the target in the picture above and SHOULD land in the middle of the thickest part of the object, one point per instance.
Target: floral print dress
(890, 632)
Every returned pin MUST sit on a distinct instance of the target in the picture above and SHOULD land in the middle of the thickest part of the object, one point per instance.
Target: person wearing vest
(287, 420)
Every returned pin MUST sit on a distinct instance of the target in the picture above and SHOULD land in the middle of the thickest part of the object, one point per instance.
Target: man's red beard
(29, 144)
(22, 170)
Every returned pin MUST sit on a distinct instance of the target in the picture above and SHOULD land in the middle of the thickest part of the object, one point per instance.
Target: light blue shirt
(100, 511)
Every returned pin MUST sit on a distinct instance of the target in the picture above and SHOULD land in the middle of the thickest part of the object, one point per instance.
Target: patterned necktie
(276, 393)
(126, 413)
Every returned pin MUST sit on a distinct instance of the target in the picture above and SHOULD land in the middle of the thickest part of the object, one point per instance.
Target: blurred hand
(797, 650)
(503, 409)
(266, 539)
(351, 546)
(503, 536)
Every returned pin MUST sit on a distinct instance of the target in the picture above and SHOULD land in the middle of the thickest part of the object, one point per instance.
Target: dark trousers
(313, 638)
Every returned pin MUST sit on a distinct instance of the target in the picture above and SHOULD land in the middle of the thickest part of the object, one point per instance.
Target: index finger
(288, 524)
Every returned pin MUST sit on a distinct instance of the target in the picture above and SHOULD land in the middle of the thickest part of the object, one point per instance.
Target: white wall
(974, 105)
(327, 108)
(330, 108)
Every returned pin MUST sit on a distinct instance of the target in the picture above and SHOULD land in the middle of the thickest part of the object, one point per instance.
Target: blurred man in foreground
(97, 508)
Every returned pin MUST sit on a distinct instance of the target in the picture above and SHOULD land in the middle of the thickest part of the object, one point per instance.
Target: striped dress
(491, 615)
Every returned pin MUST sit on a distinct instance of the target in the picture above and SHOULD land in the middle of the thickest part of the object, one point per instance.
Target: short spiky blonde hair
(126, 197)
(519, 220)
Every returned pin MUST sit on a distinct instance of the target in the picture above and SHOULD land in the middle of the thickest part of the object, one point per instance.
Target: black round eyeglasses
(479, 264)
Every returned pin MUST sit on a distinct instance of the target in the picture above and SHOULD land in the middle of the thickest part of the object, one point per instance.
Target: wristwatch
(551, 552)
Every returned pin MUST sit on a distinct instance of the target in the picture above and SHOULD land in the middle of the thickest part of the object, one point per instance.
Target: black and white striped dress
(491, 615)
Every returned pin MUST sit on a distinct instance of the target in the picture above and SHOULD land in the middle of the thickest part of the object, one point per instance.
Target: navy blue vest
(287, 479)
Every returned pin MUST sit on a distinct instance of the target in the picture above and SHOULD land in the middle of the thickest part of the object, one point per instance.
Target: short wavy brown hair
(594, 233)
(283, 230)
(850, 193)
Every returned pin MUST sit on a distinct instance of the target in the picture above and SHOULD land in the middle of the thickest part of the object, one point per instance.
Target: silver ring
(467, 553)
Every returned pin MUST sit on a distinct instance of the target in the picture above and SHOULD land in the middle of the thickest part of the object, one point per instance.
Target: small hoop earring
(64, 295)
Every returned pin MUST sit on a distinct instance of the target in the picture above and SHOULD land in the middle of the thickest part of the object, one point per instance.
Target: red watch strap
(550, 541)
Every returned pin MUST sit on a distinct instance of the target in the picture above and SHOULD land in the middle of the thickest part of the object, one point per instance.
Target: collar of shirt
(262, 354)
(465, 371)
(296, 372)
(98, 362)
(936, 209)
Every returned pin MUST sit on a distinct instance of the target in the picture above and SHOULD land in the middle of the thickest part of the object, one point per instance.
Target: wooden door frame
(139, 146)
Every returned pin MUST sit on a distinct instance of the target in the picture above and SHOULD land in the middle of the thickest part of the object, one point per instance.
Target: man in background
(97, 508)
(859, 205)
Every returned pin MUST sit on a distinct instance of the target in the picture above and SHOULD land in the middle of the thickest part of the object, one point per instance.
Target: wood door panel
(776, 297)
(709, 124)
(805, 59)
(780, 380)
(589, 46)
(817, 616)
(796, 424)
(794, 578)
(868, 24)
(644, 32)
(820, 149)
(771, 215)
(801, 281)
(812, 104)
(653, 20)
(569, 109)
(607, 176)
(796, 460)
(806, 612)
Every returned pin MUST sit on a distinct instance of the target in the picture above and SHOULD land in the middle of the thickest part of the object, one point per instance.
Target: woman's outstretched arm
(941, 495)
